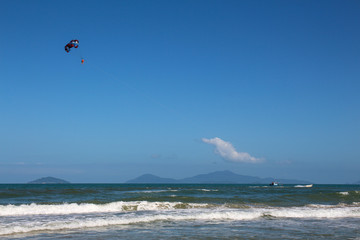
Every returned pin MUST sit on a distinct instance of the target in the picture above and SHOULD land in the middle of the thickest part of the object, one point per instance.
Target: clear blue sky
(179, 88)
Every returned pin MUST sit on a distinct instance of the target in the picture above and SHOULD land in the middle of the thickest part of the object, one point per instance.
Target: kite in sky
(73, 44)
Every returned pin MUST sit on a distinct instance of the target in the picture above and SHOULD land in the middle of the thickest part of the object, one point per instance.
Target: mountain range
(214, 177)
(226, 177)
(48, 180)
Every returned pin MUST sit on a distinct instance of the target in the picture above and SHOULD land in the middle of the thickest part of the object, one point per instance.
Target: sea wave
(329, 212)
(220, 214)
(311, 210)
(349, 193)
(344, 193)
(152, 191)
(75, 208)
(91, 222)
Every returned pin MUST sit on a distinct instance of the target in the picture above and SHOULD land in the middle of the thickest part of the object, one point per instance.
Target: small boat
(274, 184)
(301, 186)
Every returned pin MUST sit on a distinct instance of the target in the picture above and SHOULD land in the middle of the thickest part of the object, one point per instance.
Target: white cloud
(227, 151)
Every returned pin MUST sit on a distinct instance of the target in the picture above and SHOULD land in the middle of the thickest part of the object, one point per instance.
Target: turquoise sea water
(179, 211)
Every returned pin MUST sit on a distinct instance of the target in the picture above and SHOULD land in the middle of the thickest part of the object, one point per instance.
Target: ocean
(179, 211)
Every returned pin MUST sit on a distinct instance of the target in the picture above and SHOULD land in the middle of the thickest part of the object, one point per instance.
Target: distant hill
(220, 177)
(149, 178)
(48, 180)
(358, 182)
(215, 177)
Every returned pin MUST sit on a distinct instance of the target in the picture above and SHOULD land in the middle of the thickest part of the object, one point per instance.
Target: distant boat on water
(308, 185)
(274, 184)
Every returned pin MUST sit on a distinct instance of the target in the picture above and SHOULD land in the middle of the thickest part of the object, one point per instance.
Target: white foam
(350, 192)
(344, 193)
(163, 212)
(312, 210)
(74, 208)
(123, 220)
(154, 191)
(317, 211)
(207, 190)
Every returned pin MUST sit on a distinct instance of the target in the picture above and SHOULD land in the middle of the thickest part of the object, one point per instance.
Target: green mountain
(149, 178)
(48, 180)
(220, 177)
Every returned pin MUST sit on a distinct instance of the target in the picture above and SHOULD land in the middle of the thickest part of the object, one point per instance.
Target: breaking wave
(69, 216)
(82, 208)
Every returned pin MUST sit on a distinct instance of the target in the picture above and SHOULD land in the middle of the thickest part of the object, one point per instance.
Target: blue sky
(179, 88)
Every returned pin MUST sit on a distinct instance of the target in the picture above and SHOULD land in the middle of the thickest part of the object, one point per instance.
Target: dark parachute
(73, 43)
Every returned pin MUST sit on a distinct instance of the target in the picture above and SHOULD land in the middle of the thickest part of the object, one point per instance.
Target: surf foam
(82, 208)
(22, 223)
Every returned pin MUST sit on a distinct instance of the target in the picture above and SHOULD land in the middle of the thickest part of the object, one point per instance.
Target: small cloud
(228, 152)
